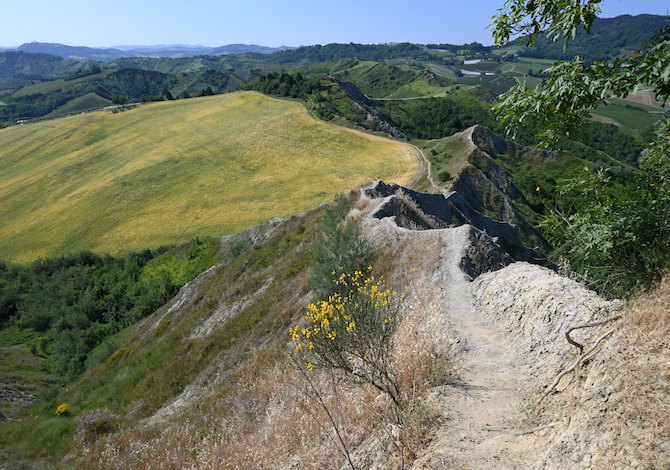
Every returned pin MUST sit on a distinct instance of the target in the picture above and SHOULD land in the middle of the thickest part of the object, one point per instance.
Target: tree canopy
(617, 235)
(573, 88)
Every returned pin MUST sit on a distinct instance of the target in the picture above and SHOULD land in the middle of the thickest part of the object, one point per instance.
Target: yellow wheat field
(167, 172)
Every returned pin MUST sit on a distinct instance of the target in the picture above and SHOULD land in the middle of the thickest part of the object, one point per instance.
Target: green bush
(444, 176)
(339, 248)
(618, 236)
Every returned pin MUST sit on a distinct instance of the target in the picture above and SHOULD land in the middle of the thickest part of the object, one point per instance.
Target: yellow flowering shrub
(63, 409)
(353, 331)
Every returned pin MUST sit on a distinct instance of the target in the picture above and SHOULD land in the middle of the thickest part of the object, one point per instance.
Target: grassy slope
(46, 87)
(143, 374)
(83, 103)
(167, 172)
(630, 115)
(448, 154)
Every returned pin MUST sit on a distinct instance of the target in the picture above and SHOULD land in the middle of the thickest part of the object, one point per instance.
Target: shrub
(444, 176)
(94, 424)
(617, 236)
(63, 410)
(338, 249)
(353, 332)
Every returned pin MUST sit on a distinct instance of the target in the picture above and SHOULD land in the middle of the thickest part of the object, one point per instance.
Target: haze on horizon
(264, 22)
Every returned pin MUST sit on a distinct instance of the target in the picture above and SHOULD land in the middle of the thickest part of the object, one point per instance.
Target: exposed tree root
(535, 429)
(587, 325)
(587, 355)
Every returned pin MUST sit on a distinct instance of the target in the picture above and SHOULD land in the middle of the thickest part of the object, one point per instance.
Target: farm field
(167, 172)
(83, 103)
(46, 87)
(629, 114)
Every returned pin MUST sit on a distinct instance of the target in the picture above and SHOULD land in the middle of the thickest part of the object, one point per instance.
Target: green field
(628, 114)
(46, 87)
(167, 172)
(442, 70)
(83, 103)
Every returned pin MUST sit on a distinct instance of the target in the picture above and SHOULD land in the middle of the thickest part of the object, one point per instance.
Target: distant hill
(72, 52)
(45, 97)
(17, 64)
(381, 71)
(608, 38)
(167, 51)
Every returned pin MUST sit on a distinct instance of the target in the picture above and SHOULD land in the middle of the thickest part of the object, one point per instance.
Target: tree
(573, 88)
(120, 101)
(619, 237)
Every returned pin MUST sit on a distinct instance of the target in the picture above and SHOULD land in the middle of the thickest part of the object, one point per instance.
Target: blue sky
(265, 22)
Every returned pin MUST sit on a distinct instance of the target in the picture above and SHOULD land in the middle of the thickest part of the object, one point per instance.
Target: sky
(105, 23)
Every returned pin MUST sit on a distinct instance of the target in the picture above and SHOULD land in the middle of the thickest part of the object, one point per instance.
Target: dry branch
(581, 359)
(587, 325)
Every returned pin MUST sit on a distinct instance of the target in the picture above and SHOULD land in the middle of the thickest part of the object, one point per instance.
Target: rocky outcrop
(505, 320)
(486, 187)
(423, 211)
(370, 107)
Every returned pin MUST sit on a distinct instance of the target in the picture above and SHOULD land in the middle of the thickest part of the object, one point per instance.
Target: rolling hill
(170, 171)
(105, 54)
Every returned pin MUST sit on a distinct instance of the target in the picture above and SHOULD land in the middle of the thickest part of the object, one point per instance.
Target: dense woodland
(74, 303)
(607, 39)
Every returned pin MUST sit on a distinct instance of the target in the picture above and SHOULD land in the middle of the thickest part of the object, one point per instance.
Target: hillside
(106, 54)
(208, 381)
(168, 172)
(608, 38)
(35, 84)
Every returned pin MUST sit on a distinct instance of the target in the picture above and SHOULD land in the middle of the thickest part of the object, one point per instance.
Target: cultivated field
(168, 172)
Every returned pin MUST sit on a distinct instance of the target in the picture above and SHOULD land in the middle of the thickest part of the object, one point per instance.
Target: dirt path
(483, 405)
(426, 168)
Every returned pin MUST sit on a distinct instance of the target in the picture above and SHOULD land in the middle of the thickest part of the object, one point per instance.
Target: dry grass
(646, 391)
(648, 328)
(264, 417)
(171, 171)
(264, 421)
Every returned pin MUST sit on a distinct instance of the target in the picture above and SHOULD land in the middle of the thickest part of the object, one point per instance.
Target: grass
(442, 70)
(419, 88)
(168, 172)
(377, 80)
(641, 406)
(445, 155)
(21, 369)
(482, 67)
(83, 103)
(523, 67)
(46, 87)
(630, 115)
(496, 83)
